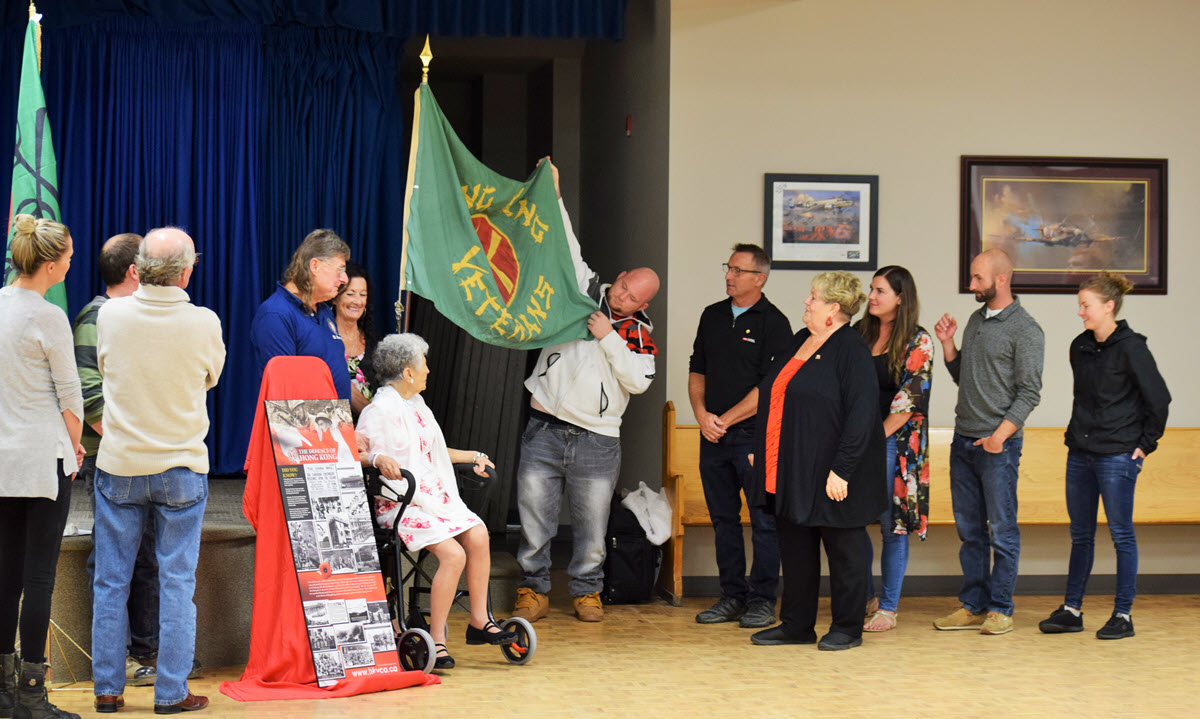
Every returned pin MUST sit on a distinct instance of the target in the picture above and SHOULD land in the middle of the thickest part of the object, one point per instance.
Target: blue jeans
(1111, 477)
(143, 590)
(176, 500)
(725, 472)
(585, 465)
(893, 560)
(983, 491)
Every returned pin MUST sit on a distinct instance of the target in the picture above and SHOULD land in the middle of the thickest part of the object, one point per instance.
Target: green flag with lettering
(35, 171)
(490, 252)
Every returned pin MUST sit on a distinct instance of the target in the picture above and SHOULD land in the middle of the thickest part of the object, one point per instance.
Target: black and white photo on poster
(341, 561)
(316, 613)
(337, 611)
(381, 639)
(377, 613)
(366, 556)
(348, 633)
(304, 545)
(357, 655)
(328, 665)
(321, 638)
(355, 504)
(356, 609)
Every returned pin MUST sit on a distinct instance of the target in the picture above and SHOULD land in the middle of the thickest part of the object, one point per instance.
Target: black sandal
(483, 636)
(443, 661)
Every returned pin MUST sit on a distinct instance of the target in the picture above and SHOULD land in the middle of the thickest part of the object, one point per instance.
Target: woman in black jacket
(1118, 414)
(821, 453)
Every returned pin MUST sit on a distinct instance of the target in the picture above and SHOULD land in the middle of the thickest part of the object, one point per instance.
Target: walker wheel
(416, 651)
(523, 649)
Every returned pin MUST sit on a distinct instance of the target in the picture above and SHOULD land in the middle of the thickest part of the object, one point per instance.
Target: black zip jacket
(1120, 398)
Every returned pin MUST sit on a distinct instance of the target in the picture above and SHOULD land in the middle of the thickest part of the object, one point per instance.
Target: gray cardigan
(37, 369)
(998, 371)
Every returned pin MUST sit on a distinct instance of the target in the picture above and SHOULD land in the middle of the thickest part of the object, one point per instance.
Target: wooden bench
(1168, 493)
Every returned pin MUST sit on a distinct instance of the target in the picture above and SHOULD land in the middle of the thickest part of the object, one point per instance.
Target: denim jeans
(585, 465)
(725, 472)
(143, 590)
(893, 560)
(983, 491)
(176, 500)
(1113, 478)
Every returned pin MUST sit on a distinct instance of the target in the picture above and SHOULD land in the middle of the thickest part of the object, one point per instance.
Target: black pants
(31, 532)
(801, 554)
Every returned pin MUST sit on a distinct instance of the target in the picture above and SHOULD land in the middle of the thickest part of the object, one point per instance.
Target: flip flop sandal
(887, 617)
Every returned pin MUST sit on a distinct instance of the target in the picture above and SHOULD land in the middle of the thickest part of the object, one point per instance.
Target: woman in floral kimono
(903, 353)
(403, 433)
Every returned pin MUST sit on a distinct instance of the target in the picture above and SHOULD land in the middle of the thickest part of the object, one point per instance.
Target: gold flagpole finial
(32, 10)
(426, 58)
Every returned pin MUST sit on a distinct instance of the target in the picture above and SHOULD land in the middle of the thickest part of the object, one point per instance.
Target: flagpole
(426, 58)
(34, 17)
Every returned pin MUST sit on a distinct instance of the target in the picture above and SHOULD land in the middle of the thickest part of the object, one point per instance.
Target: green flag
(35, 171)
(490, 252)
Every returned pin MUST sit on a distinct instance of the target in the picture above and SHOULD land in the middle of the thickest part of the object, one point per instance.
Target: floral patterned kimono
(910, 499)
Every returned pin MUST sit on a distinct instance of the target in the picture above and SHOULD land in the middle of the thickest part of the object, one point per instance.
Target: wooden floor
(654, 661)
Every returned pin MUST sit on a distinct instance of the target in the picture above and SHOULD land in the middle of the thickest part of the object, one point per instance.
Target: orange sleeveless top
(775, 418)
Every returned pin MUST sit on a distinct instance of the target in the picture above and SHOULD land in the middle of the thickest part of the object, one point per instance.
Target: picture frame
(1063, 219)
(821, 222)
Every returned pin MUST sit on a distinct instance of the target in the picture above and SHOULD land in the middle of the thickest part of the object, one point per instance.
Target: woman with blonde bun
(819, 458)
(1118, 414)
(40, 423)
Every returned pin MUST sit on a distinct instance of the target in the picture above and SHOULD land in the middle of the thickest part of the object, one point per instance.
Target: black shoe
(782, 635)
(759, 613)
(1061, 620)
(836, 641)
(443, 661)
(725, 610)
(1117, 627)
(483, 636)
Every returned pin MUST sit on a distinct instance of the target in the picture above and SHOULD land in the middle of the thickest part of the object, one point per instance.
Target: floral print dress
(358, 380)
(405, 430)
(910, 496)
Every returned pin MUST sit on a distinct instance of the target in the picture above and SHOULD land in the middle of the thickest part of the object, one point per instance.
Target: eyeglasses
(738, 271)
(340, 270)
(197, 260)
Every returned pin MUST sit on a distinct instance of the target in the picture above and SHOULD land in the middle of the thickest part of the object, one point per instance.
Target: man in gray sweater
(999, 377)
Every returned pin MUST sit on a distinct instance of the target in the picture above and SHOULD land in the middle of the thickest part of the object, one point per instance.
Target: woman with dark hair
(41, 410)
(903, 354)
(1118, 414)
(356, 325)
(295, 321)
(821, 458)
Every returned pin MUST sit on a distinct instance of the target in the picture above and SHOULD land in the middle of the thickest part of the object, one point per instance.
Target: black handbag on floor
(632, 562)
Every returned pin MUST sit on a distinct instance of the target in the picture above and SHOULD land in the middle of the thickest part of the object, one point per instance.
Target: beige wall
(902, 90)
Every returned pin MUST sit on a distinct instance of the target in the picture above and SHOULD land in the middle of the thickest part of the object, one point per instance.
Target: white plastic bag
(652, 510)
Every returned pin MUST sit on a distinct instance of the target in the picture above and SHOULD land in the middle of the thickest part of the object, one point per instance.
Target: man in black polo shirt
(736, 342)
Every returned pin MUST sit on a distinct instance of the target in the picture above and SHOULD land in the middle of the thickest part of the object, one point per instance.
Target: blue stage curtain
(398, 18)
(332, 149)
(158, 126)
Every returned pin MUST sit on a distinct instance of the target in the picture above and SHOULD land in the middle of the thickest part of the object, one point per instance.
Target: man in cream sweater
(158, 355)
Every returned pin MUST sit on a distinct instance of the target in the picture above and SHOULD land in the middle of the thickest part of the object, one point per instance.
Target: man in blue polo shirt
(294, 321)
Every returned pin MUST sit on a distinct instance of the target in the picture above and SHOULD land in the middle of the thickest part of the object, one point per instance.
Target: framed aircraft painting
(1063, 219)
(821, 222)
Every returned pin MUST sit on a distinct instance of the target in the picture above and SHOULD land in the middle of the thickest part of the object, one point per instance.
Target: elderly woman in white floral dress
(403, 433)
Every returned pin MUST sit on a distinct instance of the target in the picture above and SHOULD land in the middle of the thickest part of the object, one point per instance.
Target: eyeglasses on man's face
(339, 269)
(738, 271)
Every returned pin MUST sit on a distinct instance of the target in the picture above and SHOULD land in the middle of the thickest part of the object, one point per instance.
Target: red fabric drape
(280, 665)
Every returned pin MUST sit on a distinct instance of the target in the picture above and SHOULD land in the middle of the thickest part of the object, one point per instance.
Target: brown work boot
(588, 608)
(531, 606)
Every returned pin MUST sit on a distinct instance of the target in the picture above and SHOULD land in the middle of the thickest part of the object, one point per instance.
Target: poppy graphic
(325, 570)
(502, 256)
